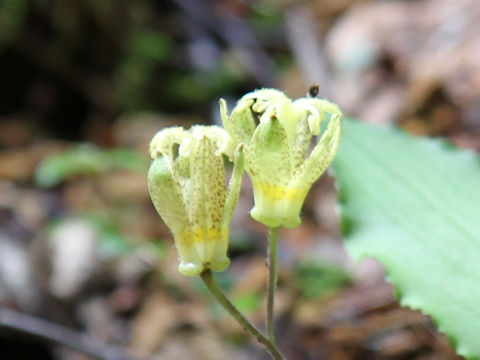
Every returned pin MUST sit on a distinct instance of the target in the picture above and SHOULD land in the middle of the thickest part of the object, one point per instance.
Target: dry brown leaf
(157, 316)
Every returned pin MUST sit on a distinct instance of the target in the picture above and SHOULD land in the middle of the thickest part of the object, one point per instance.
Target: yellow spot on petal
(276, 192)
(200, 235)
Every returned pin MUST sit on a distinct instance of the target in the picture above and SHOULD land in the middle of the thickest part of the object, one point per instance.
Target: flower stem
(212, 285)
(272, 279)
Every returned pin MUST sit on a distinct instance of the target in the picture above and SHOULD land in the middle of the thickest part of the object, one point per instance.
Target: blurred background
(87, 268)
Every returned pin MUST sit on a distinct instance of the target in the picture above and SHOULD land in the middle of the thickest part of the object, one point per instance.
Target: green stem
(212, 285)
(272, 279)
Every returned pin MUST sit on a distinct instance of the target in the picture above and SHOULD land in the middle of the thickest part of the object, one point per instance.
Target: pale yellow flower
(277, 134)
(186, 181)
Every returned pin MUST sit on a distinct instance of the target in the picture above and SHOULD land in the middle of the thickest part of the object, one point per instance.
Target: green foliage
(247, 302)
(152, 45)
(414, 205)
(266, 17)
(12, 16)
(201, 86)
(87, 160)
(314, 279)
(112, 243)
(125, 159)
(145, 49)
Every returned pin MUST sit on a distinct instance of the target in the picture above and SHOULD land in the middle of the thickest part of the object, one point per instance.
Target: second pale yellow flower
(277, 135)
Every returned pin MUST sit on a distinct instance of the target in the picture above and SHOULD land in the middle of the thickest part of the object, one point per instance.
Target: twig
(27, 324)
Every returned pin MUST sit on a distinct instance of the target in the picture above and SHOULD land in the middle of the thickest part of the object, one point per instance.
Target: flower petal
(268, 156)
(167, 199)
(317, 109)
(163, 142)
(223, 143)
(321, 157)
(302, 143)
(241, 122)
(166, 195)
(262, 99)
(233, 186)
(207, 198)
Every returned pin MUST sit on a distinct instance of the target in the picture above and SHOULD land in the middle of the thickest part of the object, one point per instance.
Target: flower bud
(186, 182)
(277, 135)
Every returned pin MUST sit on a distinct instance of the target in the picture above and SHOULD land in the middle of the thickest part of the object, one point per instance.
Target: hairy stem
(212, 285)
(272, 279)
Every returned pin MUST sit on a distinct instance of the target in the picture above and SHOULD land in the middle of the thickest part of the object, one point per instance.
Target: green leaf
(151, 44)
(247, 302)
(88, 160)
(126, 159)
(414, 204)
(112, 243)
(84, 159)
(315, 279)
